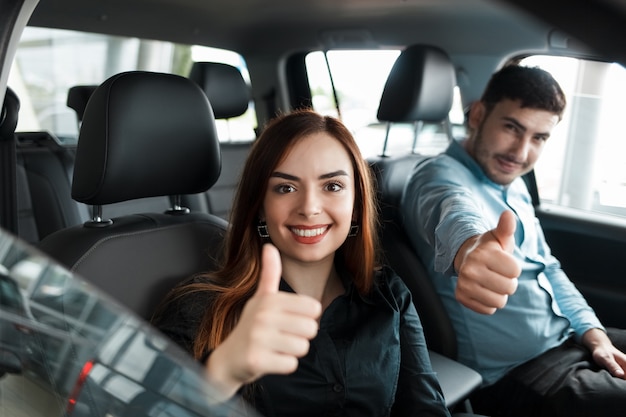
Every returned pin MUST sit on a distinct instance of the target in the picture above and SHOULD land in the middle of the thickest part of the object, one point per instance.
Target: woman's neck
(319, 280)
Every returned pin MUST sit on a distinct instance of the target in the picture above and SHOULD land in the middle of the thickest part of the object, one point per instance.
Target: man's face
(507, 141)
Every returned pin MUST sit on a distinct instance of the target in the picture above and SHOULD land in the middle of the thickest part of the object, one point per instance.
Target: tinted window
(349, 84)
(582, 166)
(49, 62)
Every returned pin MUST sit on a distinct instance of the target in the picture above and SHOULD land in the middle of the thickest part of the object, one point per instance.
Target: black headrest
(77, 98)
(224, 86)
(420, 86)
(9, 113)
(145, 134)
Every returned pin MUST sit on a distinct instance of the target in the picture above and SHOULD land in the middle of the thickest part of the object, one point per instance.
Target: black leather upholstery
(77, 98)
(8, 190)
(148, 134)
(224, 86)
(44, 186)
(143, 135)
(420, 87)
(229, 96)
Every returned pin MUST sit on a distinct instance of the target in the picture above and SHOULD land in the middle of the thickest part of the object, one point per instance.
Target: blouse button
(338, 388)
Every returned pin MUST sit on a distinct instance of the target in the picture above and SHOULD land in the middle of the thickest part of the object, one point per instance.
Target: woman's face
(309, 200)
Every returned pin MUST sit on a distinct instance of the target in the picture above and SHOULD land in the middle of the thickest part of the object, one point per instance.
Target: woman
(314, 327)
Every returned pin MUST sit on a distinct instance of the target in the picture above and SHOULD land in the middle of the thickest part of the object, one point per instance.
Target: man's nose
(521, 148)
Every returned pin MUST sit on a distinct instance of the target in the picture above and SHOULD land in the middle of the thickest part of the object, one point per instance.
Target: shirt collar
(346, 280)
(457, 151)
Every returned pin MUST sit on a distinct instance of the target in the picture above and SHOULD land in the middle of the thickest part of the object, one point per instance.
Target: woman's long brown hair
(235, 283)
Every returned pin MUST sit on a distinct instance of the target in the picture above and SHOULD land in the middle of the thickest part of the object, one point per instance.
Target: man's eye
(512, 127)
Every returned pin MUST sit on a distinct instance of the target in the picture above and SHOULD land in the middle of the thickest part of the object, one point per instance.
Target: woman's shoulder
(186, 302)
(390, 286)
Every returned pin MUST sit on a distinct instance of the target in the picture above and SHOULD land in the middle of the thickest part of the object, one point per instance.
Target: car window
(48, 62)
(349, 84)
(582, 166)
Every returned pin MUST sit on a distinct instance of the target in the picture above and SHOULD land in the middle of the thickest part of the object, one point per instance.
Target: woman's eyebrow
(333, 174)
(279, 174)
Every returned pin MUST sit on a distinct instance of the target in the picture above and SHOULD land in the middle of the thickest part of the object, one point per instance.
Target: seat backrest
(44, 182)
(420, 87)
(143, 135)
(230, 97)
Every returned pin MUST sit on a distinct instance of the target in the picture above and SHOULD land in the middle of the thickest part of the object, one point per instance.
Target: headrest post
(384, 153)
(178, 207)
(96, 218)
(417, 127)
(447, 126)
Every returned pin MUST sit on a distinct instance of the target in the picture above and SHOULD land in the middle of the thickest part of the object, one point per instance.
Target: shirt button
(338, 388)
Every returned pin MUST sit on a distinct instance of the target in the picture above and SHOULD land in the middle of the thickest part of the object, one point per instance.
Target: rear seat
(44, 175)
(229, 96)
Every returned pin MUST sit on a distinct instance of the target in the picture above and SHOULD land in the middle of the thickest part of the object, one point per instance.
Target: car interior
(123, 172)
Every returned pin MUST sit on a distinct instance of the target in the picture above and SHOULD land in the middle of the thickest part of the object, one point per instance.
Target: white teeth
(308, 232)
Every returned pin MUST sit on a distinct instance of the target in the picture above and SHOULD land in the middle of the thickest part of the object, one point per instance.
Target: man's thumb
(505, 230)
(271, 270)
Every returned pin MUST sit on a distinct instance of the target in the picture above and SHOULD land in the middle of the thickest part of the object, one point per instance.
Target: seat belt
(8, 176)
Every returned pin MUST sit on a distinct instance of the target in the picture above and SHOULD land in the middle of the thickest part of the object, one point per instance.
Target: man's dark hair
(532, 86)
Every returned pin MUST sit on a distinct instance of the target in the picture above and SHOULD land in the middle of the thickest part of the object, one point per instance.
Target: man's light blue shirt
(447, 200)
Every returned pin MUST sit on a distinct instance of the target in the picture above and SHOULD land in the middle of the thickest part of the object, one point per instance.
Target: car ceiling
(258, 26)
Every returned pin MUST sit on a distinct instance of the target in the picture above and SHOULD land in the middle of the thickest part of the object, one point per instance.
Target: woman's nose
(310, 204)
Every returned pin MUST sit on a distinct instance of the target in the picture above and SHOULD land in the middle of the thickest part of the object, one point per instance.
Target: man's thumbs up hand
(505, 231)
(487, 271)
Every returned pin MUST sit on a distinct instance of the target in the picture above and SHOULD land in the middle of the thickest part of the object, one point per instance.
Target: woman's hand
(272, 333)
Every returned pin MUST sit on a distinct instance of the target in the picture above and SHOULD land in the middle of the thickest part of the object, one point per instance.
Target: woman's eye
(284, 188)
(334, 187)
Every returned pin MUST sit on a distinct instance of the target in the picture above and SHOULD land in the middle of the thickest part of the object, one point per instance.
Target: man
(519, 320)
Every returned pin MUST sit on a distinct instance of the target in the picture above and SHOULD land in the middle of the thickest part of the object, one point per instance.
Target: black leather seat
(230, 97)
(143, 135)
(419, 88)
(8, 122)
(77, 98)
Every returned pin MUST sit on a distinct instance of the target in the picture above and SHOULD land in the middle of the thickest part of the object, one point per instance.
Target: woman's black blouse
(369, 357)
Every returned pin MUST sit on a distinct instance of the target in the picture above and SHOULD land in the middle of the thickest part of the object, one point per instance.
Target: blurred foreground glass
(68, 350)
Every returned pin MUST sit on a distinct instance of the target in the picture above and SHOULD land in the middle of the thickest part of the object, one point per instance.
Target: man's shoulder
(439, 167)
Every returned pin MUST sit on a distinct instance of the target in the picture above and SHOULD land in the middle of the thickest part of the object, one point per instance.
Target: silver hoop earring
(262, 229)
(354, 230)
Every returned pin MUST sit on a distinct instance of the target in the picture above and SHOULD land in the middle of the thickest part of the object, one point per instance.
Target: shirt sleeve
(418, 392)
(440, 207)
(569, 300)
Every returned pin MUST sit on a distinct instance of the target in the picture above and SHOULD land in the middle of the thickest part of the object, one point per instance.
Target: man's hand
(272, 333)
(604, 353)
(487, 271)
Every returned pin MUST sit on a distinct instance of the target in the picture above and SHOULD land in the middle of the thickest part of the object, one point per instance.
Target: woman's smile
(309, 234)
